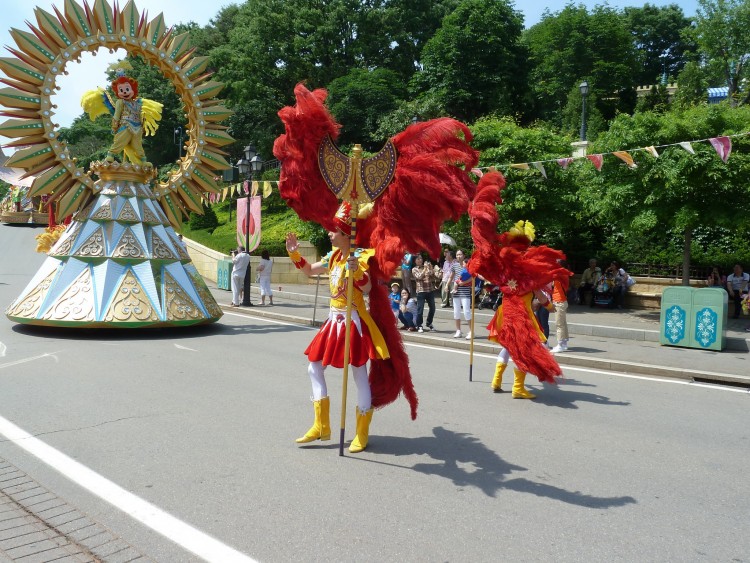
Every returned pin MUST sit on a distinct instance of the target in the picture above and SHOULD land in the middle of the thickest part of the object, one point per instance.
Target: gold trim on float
(203, 292)
(76, 304)
(116, 171)
(178, 306)
(29, 305)
(130, 303)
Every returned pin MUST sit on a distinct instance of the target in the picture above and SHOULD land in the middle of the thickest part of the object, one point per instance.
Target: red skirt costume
(366, 342)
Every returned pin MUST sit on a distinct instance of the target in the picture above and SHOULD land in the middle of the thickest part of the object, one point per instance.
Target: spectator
(737, 286)
(560, 301)
(424, 277)
(395, 297)
(264, 278)
(715, 279)
(240, 261)
(406, 265)
(448, 275)
(589, 280)
(407, 311)
(542, 305)
(622, 281)
(463, 287)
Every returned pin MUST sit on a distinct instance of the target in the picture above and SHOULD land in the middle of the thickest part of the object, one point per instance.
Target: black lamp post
(177, 139)
(584, 87)
(250, 165)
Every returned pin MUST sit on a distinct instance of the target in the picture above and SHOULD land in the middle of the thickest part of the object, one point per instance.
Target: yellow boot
(321, 428)
(363, 431)
(498, 379)
(519, 391)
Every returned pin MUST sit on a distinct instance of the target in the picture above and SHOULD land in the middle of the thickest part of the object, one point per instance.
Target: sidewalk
(604, 339)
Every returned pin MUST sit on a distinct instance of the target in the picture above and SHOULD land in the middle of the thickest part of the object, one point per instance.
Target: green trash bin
(676, 319)
(710, 308)
(224, 275)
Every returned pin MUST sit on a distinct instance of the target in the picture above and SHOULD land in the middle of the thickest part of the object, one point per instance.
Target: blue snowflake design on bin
(705, 327)
(674, 324)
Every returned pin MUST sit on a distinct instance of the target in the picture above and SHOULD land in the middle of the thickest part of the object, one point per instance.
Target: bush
(207, 221)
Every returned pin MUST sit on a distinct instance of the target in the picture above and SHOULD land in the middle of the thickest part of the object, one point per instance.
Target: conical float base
(119, 264)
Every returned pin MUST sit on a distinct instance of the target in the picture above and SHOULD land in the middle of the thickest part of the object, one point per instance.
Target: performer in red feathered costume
(426, 167)
(509, 261)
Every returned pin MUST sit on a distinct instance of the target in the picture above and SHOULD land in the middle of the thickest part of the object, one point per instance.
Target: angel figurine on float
(425, 165)
(132, 117)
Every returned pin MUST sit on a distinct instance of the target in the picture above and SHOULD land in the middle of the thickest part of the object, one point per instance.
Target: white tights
(503, 357)
(359, 374)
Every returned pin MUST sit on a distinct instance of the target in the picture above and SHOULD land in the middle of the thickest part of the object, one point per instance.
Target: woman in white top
(264, 278)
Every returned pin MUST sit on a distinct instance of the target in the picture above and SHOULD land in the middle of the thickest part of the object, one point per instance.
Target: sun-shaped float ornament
(42, 55)
(119, 263)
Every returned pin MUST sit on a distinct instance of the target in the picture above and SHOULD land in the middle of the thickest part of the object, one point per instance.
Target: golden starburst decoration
(41, 56)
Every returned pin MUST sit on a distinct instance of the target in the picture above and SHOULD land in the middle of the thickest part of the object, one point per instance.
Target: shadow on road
(555, 396)
(467, 462)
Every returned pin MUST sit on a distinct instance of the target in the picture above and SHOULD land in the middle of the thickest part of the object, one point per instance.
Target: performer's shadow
(554, 396)
(464, 460)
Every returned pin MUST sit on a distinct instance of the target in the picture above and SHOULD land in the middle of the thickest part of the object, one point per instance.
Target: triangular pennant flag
(723, 146)
(652, 151)
(224, 194)
(254, 189)
(596, 159)
(266, 189)
(687, 146)
(564, 162)
(626, 158)
(477, 172)
(539, 166)
(246, 186)
(520, 166)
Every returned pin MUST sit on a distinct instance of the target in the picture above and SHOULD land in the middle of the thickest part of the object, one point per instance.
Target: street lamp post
(584, 88)
(177, 140)
(250, 165)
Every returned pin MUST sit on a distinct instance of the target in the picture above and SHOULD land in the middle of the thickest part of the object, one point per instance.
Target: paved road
(200, 424)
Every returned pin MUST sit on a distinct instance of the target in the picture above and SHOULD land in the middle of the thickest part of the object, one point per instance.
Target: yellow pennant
(521, 166)
(652, 151)
(626, 158)
(254, 188)
(266, 189)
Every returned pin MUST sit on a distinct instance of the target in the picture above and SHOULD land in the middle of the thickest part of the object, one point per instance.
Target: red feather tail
(484, 218)
(389, 378)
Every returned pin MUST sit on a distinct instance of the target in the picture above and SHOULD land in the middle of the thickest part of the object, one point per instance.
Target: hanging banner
(539, 166)
(723, 146)
(597, 160)
(687, 146)
(626, 158)
(248, 226)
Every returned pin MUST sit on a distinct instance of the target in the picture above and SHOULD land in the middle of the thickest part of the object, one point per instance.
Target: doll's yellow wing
(151, 111)
(97, 102)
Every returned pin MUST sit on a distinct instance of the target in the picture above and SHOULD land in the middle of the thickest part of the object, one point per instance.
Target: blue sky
(90, 73)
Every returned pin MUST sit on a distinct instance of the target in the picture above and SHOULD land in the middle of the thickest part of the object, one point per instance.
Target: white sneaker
(468, 336)
(458, 334)
(559, 348)
(420, 329)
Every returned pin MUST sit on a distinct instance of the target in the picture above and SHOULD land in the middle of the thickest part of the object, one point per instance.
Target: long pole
(347, 326)
(471, 328)
(583, 118)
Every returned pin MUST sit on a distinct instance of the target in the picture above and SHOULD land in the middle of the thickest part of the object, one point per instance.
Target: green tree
(571, 44)
(475, 64)
(722, 31)
(662, 46)
(359, 99)
(679, 191)
(691, 85)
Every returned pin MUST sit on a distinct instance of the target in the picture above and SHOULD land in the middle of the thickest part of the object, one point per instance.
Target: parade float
(18, 207)
(120, 262)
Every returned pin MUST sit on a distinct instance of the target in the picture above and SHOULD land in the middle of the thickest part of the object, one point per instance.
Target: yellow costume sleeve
(151, 111)
(95, 103)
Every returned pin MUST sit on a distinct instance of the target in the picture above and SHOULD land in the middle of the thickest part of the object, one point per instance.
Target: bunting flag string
(244, 188)
(722, 145)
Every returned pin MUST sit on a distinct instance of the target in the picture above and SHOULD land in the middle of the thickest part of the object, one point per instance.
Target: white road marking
(176, 530)
(715, 387)
(31, 359)
(181, 347)
(3, 349)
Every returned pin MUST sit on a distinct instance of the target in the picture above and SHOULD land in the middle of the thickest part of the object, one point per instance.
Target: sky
(90, 73)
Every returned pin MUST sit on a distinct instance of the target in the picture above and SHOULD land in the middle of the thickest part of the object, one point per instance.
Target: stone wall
(206, 262)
